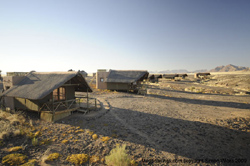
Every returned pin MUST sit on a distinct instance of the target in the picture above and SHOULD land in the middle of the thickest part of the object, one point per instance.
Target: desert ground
(185, 122)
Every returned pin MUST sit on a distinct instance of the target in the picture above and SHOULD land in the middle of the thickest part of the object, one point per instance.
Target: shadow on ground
(190, 139)
(205, 102)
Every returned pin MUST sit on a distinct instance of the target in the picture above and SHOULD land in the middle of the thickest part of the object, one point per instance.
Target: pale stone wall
(101, 77)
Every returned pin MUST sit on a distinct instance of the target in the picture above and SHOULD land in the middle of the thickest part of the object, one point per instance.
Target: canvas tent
(51, 92)
(123, 80)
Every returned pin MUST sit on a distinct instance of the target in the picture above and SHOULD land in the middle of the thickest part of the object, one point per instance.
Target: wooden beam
(71, 84)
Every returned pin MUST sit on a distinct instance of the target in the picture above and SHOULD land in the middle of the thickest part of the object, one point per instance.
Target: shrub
(14, 159)
(34, 142)
(105, 139)
(94, 136)
(118, 157)
(94, 159)
(31, 162)
(77, 159)
(65, 141)
(37, 134)
(30, 135)
(78, 131)
(90, 132)
(16, 148)
(133, 163)
(53, 156)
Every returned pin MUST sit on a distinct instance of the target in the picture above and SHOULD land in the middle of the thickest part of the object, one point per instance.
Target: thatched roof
(126, 76)
(172, 76)
(203, 74)
(37, 85)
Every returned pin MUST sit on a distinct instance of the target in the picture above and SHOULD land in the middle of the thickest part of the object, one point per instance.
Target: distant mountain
(178, 71)
(200, 71)
(228, 68)
(173, 71)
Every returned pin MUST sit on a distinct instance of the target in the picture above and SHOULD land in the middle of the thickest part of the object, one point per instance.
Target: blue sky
(57, 35)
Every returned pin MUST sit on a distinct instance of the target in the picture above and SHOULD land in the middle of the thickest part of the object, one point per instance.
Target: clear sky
(154, 35)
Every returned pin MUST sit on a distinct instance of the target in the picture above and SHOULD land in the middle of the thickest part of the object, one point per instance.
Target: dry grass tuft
(35, 142)
(94, 159)
(79, 131)
(78, 159)
(14, 159)
(133, 163)
(14, 149)
(5, 135)
(65, 141)
(37, 134)
(118, 157)
(94, 136)
(10, 124)
(53, 156)
(105, 139)
(90, 132)
(16, 119)
(31, 162)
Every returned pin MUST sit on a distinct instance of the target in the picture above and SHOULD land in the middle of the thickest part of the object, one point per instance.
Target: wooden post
(53, 117)
(87, 101)
(95, 104)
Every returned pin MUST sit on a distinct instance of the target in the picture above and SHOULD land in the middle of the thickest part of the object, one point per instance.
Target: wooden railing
(69, 104)
(88, 101)
(59, 105)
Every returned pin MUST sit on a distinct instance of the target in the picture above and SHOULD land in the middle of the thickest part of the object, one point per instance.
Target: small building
(183, 76)
(201, 75)
(121, 80)
(170, 76)
(154, 77)
(51, 94)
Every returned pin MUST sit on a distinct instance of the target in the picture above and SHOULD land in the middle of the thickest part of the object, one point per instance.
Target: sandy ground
(178, 124)
(168, 126)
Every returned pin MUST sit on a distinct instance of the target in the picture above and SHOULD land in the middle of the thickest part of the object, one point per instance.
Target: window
(59, 94)
(102, 79)
(62, 93)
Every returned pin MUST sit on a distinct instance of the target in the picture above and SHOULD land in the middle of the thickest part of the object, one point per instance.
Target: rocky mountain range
(227, 68)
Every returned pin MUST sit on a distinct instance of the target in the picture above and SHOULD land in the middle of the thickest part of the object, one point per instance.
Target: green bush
(118, 157)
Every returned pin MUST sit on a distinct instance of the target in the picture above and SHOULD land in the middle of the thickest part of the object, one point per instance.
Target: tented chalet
(51, 94)
(121, 80)
(201, 75)
(170, 76)
(154, 77)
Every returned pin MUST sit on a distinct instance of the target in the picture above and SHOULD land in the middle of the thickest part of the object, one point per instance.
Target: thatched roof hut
(126, 76)
(37, 85)
(170, 76)
(50, 93)
(125, 80)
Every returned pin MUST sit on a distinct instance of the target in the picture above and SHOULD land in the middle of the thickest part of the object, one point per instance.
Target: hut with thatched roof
(121, 80)
(51, 94)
